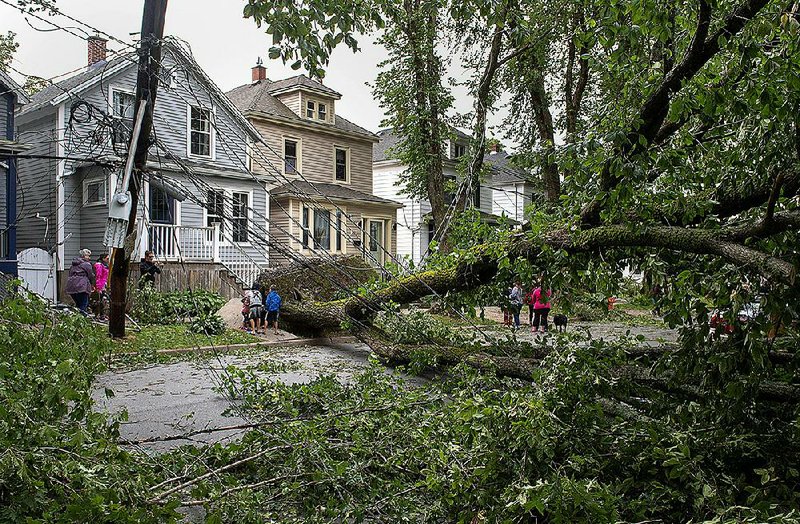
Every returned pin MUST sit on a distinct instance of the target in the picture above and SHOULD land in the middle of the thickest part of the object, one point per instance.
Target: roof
(501, 163)
(52, 94)
(486, 218)
(258, 97)
(315, 190)
(47, 95)
(5, 80)
(301, 82)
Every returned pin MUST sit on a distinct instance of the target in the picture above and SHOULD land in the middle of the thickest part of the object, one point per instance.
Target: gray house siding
(36, 191)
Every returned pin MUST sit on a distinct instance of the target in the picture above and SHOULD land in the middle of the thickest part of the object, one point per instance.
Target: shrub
(153, 307)
(206, 324)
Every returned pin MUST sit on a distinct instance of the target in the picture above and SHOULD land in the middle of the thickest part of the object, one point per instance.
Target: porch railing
(183, 243)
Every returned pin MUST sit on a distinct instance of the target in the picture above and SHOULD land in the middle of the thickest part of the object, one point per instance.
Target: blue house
(202, 211)
(12, 97)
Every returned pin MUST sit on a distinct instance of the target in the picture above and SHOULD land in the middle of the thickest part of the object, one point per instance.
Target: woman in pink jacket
(541, 306)
(100, 296)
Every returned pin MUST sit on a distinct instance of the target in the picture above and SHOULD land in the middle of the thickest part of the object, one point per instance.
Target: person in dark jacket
(273, 307)
(148, 269)
(81, 280)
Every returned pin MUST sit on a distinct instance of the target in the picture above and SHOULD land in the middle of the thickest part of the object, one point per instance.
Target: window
(122, 106)
(342, 165)
(162, 206)
(316, 110)
(305, 227)
(290, 150)
(95, 192)
(215, 210)
(459, 150)
(239, 218)
(199, 131)
(322, 229)
(338, 230)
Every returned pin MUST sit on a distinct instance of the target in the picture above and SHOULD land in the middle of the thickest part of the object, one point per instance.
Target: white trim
(114, 88)
(312, 211)
(61, 120)
(87, 182)
(268, 222)
(212, 139)
(383, 249)
(221, 241)
(349, 154)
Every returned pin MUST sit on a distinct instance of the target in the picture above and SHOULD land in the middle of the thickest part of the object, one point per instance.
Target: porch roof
(314, 191)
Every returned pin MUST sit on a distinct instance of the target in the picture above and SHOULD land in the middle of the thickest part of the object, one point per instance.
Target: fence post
(215, 243)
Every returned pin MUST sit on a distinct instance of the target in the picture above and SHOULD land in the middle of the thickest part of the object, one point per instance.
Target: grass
(176, 336)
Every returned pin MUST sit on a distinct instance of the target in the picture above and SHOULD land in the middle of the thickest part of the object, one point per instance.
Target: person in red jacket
(100, 297)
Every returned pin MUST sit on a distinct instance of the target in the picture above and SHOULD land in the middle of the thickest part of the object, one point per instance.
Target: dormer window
(316, 110)
(459, 150)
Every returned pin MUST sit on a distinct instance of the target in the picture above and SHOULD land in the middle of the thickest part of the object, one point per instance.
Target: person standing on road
(516, 297)
(541, 306)
(148, 269)
(100, 294)
(81, 280)
(273, 306)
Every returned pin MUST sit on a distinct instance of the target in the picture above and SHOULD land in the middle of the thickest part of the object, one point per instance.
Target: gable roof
(501, 164)
(57, 92)
(8, 82)
(258, 97)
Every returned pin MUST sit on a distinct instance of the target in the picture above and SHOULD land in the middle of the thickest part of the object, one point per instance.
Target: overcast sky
(224, 44)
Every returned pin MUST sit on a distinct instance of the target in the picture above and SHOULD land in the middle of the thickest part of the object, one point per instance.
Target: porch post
(215, 243)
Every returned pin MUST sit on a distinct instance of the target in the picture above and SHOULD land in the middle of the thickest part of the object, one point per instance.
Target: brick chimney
(259, 71)
(97, 49)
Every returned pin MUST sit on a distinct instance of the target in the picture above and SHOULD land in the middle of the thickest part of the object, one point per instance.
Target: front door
(375, 242)
(163, 241)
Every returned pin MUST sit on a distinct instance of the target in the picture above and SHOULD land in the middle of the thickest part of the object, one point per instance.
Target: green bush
(206, 324)
(60, 459)
(153, 307)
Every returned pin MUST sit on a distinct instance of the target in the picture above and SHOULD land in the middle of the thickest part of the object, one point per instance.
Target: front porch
(180, 244)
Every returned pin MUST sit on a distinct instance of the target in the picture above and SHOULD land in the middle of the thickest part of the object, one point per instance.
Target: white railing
(173, 243)
(182, 243)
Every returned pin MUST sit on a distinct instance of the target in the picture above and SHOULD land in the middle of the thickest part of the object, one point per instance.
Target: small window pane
(215, 210)
(96, 192)
(123, 104)
(323, 112)
(322, 229)
(162, 206)
(309, 109)
(305, 227)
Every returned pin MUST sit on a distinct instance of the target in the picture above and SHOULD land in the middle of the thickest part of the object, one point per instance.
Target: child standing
(246, 312)
(256, 305)
(273, 307)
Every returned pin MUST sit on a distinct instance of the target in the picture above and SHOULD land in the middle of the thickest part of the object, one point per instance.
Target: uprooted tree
(682, 126)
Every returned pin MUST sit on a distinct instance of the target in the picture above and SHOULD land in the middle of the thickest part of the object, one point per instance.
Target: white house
(414, 227)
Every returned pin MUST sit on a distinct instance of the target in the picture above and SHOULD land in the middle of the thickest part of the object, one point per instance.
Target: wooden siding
(36, 191)
(317, 155)
(292, 101)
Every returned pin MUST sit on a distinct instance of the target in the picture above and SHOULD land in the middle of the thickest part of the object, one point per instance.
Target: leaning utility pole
(146, 86)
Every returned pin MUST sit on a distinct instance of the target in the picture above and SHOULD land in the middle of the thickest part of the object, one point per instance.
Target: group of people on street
(537, 299)
(259, 310)
(87, 283)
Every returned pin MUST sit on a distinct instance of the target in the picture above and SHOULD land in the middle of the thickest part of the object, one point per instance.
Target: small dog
(560, 322)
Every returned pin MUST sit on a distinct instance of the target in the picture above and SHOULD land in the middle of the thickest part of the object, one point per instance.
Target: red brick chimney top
(259, 71)
(96, 48)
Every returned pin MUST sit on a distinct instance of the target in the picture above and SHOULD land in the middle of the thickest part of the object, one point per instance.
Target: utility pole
(146, 87)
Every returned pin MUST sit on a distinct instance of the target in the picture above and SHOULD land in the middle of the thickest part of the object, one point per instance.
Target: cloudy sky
(224, 44)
